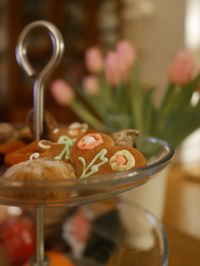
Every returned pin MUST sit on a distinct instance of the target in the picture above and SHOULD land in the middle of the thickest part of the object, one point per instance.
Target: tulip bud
(126, 52)
(90, 84)
(62, 92)
(94, 60)
(116, 71)
(182, 68)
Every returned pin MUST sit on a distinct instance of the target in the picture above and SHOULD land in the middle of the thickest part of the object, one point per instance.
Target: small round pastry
(73, 132)
(122, 159)
(91, 148)
(7, 131)
(38, 149)
(40, 170)
(109, 160)
(125, 137)
(33, 177)
(11, 146)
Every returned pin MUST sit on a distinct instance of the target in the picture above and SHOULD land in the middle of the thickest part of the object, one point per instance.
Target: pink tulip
(182, 68)
(126, 52)
(94, 60)
(90, 84)
(62, 92)
(115, 69)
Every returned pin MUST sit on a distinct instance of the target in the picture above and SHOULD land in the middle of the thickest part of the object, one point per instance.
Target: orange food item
(73, 132)
(110, 159)
(123, 158)
(36, 149)
(89, 147)
(56, 259)
(11, 146)
(90, 141)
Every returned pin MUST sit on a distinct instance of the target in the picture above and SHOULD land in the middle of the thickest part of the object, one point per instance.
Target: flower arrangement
(111, 97)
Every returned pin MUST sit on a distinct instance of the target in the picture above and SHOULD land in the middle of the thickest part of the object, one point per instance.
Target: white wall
(158, 37)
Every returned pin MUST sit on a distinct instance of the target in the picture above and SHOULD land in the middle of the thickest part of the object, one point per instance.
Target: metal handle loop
(22, 59)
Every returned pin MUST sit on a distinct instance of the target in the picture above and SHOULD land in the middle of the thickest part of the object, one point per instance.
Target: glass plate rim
(107, 179)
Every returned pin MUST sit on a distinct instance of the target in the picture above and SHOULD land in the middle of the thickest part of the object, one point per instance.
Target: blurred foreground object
(17, 239)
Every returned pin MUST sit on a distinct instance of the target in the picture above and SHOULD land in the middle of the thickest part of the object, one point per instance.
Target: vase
(151, 195)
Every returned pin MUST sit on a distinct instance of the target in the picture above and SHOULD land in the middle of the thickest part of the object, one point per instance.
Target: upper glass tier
(72, 193)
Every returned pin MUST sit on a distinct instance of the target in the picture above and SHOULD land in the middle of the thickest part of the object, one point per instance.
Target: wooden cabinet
(3, 58)
(82, 24)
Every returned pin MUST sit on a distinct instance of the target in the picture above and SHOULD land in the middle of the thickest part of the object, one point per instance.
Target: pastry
(125, 137)
(38, 149)
(11, 146)
(110, 160)
(10, 132)
(91, 148)
(122, 159)
(40, 171)
(73, 151)
(73, 132)
(95, 154)
(7, 131)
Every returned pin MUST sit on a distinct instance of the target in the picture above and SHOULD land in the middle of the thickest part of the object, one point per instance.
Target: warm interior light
(190, 151)
(192, 24)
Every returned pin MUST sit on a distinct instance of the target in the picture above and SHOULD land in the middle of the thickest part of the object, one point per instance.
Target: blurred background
(158, 29)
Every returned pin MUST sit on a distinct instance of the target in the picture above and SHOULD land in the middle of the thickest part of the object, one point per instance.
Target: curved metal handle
(22, 59)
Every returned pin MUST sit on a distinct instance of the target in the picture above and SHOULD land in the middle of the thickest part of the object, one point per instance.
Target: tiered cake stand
(71, 193)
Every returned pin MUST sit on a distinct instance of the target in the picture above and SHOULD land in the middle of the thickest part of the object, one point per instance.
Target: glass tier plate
(121, 233)
(73, 193)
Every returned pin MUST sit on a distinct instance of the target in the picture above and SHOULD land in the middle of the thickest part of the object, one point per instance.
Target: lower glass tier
(108, 233)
